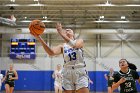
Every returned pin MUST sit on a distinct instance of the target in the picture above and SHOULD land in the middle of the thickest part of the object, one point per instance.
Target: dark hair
(130, 65)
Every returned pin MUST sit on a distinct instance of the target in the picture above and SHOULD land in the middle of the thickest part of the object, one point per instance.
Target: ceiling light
(46, 21)
(24, 21)
(102, 21)
(101, 17)
(45, 17)
(122, 21)
(108, 3)
(25, 17)
(12, 0)
(12, 5)
(28, 21)
(117, 5)
(123, 17)
(36, 4)
(132, 5)
(36, 0)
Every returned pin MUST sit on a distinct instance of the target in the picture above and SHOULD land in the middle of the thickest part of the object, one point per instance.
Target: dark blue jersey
(9, 75)
(129, 86)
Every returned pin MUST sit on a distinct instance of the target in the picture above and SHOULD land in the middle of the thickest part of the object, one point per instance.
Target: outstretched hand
(122, 80)
(90, 81)
(34, 34)
(59, 27)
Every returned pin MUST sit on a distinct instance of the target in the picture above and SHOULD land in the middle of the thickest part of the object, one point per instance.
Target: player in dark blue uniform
(125, 78)
(109, 77)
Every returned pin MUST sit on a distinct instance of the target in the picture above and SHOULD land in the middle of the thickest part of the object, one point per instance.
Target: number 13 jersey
(73, 56)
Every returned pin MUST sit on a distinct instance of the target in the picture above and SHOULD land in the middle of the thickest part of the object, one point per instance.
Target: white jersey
(1, 76)
(58, 76)
(73, 56)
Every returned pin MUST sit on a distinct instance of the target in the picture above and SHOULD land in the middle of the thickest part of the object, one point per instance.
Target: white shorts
(58, 84)
(74, 78)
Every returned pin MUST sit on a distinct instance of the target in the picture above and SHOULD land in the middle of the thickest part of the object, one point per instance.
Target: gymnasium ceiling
(94, 14)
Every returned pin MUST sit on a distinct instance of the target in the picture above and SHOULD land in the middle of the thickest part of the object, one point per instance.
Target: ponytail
(132, 66)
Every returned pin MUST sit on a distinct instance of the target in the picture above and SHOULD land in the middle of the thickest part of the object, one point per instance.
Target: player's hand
(34, 34)
(11, 78)
(59, 75)
(90, 81)
(122, 80)
(2, 80)
(105, 74)
(59, 27)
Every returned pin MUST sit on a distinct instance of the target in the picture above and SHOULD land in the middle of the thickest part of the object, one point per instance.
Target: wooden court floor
(41, 92)
(45, 92)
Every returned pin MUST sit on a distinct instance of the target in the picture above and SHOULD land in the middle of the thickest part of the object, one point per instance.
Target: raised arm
(54, 51)
(51, 51)
(69, 39)
(62, 32)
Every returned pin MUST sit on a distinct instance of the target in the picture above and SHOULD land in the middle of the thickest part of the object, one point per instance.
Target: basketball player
(10, 76)
(58, 79)
(74, 74)
(109, 79)
(125, 78)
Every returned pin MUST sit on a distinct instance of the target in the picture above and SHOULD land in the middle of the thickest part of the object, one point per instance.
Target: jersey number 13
(72, 56)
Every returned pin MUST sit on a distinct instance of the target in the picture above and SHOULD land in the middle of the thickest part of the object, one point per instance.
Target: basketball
(37, 27)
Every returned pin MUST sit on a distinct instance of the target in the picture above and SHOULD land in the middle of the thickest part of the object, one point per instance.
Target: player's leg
(60, 88)
(109, 89)
(56, 89)
(7, 88)
(67, 82)
(0, 89)
(83, 90)
(82, 85)
(11, 89)
(12, 85)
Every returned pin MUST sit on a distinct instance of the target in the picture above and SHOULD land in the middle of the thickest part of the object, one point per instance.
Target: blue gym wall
(42, 80)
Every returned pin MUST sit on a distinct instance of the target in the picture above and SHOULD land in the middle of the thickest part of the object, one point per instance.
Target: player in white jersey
(74, 75)
(58, 79)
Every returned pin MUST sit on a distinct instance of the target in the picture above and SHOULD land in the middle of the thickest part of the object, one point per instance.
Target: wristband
(72, 42)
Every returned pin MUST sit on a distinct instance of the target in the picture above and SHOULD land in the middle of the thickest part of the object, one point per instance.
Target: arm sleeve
(136, 75)
(116, 78)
